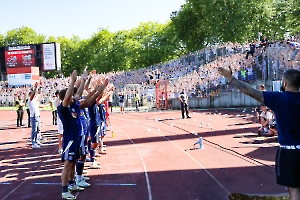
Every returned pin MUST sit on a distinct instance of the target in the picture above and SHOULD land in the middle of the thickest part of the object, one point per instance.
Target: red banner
(19, 58)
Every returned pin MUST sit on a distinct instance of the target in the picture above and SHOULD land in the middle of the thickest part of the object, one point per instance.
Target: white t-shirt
(56, 102)
(34, 107)
(270, 117)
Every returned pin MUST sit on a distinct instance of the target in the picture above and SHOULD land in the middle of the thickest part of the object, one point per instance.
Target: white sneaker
(60, 151)
(97, 155)
(83, 184)
(35, 146)
(95, 165)
(75, 188)
(39, 143)
(67, 195)
(85, 178)
(103, 148)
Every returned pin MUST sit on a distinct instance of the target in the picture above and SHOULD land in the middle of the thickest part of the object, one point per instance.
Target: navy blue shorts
(102, 132)
(94, 133)
(70, 150)
(288, 167)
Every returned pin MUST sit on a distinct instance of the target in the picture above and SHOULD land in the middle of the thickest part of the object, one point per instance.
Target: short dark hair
(292, 76)
(62, 94)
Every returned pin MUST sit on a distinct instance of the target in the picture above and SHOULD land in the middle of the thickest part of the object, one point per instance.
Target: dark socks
(89, 145)
(65, 189)
(79, 167)
(92, 152)
(71, 182)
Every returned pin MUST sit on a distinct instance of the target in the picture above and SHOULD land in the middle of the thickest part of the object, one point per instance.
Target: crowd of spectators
(196, 72)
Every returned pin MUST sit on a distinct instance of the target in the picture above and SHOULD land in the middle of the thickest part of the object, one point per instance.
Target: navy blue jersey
(286, 106)
(70, 120)
(83, 122)
(94, 115)
(87, 116)
(102, 112)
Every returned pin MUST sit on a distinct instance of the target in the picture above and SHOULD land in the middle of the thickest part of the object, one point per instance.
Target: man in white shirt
(33, 104)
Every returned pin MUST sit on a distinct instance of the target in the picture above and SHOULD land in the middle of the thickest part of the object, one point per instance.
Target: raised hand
(105, 82)
(74, 76)
(101, 88)
(225, 72)
(85, 74)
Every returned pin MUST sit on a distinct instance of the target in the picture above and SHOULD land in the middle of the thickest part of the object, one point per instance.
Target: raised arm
(104, 98)
(243, 87)
(31, 96)
(96, 93)
(79, 92)
(67, 100)
(88, 82)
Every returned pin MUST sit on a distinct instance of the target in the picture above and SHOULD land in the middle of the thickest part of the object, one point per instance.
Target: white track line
(220, 184)
(214, 178)
(144, 165)
(28, 176)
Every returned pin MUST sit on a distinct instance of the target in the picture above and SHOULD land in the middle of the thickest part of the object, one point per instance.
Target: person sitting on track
(272, 125)
(266, 118)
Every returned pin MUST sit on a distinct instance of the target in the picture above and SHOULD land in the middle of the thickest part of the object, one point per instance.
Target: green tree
(1, 40)
(203, 22)
(293, 16)
(152, 43)
(23, 35)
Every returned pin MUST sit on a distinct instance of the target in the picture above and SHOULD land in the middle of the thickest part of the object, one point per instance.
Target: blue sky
(83, 17)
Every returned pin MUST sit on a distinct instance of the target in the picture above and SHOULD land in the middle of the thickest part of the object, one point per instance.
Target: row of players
(81, 124)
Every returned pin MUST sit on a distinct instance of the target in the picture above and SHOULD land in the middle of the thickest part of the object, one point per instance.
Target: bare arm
(88, 102)
(243, 87)
(66, 102)
(248, 90)
(33, 92)
(87, 84)
(104, 98)
(81, 86)
(80, 90)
